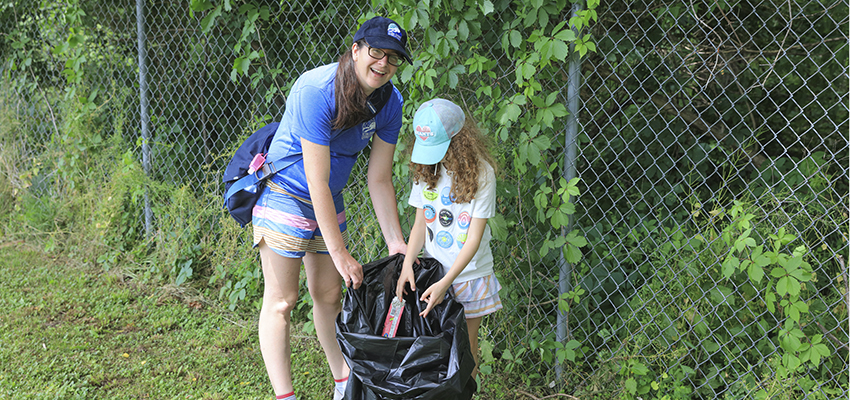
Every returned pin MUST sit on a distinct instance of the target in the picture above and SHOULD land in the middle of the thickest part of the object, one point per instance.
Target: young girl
(454, 192)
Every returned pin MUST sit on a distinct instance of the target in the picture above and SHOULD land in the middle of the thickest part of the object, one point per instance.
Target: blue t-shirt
(310, 109)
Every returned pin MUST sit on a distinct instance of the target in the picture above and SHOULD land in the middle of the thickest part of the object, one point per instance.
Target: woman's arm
(317, 166)
(382, 192)
(435, 293)
(414, 245)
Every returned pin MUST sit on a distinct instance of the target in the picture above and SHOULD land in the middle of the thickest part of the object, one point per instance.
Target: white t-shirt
(447, 222)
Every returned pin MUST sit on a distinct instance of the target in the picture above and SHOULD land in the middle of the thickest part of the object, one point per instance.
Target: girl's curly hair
(467, 148)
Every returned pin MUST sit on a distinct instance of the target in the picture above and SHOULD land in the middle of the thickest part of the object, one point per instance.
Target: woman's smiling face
(372, 73)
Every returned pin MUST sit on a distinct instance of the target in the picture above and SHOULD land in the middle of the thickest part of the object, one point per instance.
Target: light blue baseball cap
(434, 124)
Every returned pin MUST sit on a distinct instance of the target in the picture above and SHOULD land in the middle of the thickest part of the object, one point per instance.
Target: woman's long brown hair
(349, 96)
(461, 159)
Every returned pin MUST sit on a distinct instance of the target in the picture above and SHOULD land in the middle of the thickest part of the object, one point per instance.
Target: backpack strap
(268, 169)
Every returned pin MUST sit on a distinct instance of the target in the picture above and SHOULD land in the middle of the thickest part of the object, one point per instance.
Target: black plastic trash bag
(429, 358)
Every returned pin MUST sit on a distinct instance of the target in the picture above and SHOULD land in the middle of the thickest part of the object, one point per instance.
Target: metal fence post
(565, 269)
(143, 108)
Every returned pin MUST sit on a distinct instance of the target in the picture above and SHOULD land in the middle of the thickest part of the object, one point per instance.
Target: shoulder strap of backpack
(260, 175)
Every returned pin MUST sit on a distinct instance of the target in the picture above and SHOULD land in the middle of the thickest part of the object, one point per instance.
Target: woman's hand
(349, 269)
(397, 248)
(434, 295)
(405, 277)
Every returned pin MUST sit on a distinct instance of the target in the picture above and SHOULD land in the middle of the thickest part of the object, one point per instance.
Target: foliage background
(700, 254)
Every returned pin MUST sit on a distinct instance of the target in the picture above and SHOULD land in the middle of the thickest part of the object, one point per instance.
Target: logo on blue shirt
(368, 129)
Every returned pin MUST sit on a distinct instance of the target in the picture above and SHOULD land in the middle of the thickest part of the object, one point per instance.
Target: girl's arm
(414, 245)
(435, 293)
(382, 192)
(317, 166)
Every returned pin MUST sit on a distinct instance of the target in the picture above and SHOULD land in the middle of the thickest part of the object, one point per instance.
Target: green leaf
(545, 52)
(509, 112)
(729, 266)
(710, 346)
(463, 30)
(560, 49)
(570, 347)
(639, 369)
(572, 187)
(498, 227)
(528, 70)
(516, 38)
(793, 313)
(542, 18)
(793, 287)
(550, 99)
(782, 286)
(75, 40)
(818, 351)
(572, 254)
(208, 21)
(200, 5)
(631, 385)
(756, 273)
(566, 35)
(790, 342)
(801, 275)
(533, 153)
(793, 263)
(487, 7)
(582, 50)
(542, 143)
(800, 306)
(575, 239)
(242, 64)
(761, 260)
(790, 361)
(61, 48)
(545, 248)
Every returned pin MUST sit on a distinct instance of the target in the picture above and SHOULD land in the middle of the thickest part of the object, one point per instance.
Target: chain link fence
(683, 109)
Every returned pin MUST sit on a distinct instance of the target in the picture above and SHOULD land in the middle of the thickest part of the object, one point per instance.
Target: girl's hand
(434, 295)
(406, 276)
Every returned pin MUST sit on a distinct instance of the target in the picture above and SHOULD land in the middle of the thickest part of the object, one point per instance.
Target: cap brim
(429, 155)
(386, 43)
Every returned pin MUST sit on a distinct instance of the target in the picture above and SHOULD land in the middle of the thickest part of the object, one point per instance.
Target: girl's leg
(473, 324)
(325, 287)
(280, 295)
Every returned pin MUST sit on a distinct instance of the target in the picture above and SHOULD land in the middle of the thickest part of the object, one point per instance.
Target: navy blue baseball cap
(384, 33)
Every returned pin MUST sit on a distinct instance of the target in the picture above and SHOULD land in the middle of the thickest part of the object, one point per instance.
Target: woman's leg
(325, 287)
(280, 295)
(472, 325)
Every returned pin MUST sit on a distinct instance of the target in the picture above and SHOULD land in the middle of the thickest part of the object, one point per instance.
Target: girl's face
(372, 73)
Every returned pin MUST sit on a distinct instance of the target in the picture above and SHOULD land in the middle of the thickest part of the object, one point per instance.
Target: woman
(301, 215)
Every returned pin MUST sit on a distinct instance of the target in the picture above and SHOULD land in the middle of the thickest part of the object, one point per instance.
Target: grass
(71, 331)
